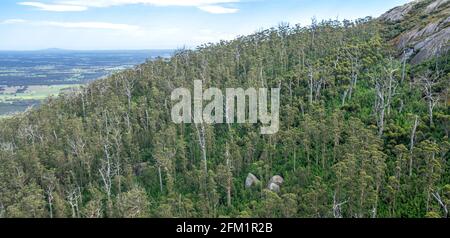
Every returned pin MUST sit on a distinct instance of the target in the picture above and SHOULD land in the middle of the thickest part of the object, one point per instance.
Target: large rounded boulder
(277, 179)
(275, 183)
(274, 187)
(251, 181)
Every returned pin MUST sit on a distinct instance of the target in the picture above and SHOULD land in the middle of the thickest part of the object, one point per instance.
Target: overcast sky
(160, 24)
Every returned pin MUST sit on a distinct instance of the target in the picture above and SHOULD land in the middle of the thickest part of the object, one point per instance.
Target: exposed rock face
(251, 181)
(398, 13)
(435, 5)
(425, 42)
(432, 45)
(427, 32)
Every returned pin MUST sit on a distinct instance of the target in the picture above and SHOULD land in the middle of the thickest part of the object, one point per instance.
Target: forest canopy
(363, 133)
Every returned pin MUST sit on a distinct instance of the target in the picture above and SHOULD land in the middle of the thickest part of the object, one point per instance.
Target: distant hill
(53, 50)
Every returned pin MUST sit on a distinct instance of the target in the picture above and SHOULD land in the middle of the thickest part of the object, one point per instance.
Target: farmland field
(33, 92)
(28, 77)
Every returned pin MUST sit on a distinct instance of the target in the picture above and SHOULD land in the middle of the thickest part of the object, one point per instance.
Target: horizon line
(64, 49)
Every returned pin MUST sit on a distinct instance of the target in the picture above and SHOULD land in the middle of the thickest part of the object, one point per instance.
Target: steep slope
(356, 137)
(420, 29)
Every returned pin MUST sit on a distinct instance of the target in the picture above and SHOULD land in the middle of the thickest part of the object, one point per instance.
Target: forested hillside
(363, 133)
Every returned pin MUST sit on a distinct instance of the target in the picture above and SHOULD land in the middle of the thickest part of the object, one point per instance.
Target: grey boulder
(251, 180)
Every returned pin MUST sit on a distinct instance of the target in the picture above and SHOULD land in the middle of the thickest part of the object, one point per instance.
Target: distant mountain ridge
(60, 50)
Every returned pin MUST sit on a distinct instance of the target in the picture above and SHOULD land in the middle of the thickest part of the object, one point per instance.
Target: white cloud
(13, 21)
(77, 25)
(211, 6)
(54, 7)
(109, 3)
(218, 9)
(90, 25)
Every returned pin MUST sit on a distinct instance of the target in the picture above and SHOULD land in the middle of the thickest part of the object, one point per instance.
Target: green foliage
(347, 146)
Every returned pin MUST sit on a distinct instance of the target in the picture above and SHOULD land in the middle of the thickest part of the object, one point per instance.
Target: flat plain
(29, 77)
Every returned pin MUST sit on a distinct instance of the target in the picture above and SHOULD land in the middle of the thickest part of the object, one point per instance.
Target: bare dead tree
(229, 178)
(441, 203)
(391, 87)
(2, 210)
(202, 142)
(49, 192)
(385, 86)
(160, 178)
(311, 84)
(428, 83)
(344, 97)
(261, 75)
(128, 83)
(55, 135)
(337, 207)
(78, 150)
(163, 160)
(318, 87)
(77, 145)
(374, 212)
(353, 77)
(29, 132)
(147, 120)
(73, 198)
(111, 140)
(49, 188)
(411, 144)
(403, 66)
(83, 103)
(106, 171)
(380, 105)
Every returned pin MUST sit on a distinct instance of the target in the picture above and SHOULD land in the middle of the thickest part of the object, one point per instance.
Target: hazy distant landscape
(28, 77)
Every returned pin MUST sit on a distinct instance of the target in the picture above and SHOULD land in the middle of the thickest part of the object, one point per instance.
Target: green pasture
(34, 92)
